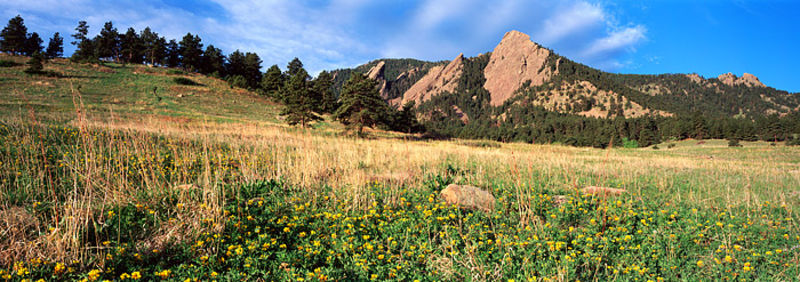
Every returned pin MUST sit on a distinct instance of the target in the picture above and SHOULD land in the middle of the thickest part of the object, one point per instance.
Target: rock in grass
(601, 191)
(468, 197)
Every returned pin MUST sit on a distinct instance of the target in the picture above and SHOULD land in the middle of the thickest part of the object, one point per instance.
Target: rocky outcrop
(468, 197)
(515, 61)
(377, 73)
(439, 79)
(747, 79)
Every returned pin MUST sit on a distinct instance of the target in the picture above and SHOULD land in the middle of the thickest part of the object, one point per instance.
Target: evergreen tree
(86, 50)
(81, 33)
(324, 93)
(191, 51)
(406, 119)
(33, 44)
(55, 48)
(131, 47)
(173, 55)
(107, 42)
(36, 63)
(252, 70)
(300, 106)
(14, 36)
(272, 81)
(213, 62)
(361, 104)
(154, 48)
(294, 67)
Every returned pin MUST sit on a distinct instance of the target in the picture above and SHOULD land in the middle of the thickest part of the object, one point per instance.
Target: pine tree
(172, 57)
(323, 91)
(154, 47)
(14, 36)
(252, 70)
(55, 48)
(131, 47)
(300, 105)
(36, 63)
(191, 51)
(213, 62)
(361, 104)
(272, 81)
(33, 44)
(107, 42)
(86, 50)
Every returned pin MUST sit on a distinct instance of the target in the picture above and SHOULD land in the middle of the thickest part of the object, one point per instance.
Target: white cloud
(570, 20)
(616, 41)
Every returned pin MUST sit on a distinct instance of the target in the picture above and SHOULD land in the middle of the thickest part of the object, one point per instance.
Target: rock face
(747, 79)
(468, 197)
(515, 61)
(377, 73)
(438, 79)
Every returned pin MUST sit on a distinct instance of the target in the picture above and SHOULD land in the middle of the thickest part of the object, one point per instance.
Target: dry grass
(341, 167)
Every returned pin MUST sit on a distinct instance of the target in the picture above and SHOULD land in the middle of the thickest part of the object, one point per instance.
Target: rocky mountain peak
(515, 61)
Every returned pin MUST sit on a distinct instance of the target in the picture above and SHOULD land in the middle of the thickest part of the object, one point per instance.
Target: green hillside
(124, 90)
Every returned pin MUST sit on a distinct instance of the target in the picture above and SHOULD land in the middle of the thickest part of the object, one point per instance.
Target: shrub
(671, 145)
(793, 142)
(185, 81)
(237, 81)
(626, 143)
(177, 72)
(35, 64)
(8, 64)
(734, 143)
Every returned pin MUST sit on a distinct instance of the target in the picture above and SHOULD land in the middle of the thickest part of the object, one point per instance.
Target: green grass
(125, 90)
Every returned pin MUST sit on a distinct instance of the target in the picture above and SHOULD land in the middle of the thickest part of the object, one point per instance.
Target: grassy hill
(211, 186)
(125, 90)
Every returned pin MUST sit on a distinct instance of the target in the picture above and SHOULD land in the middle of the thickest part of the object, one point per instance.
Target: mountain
(521, 73)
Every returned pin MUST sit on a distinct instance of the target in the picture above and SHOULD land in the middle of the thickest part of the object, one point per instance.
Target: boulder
(601, 191)
(468, 197)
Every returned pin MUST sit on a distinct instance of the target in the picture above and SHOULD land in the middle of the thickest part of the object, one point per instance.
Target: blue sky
(706, 37)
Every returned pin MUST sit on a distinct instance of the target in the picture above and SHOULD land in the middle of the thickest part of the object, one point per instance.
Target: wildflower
(136, 275)
(700, 263)
(93, 274)
(728, 259)
(59, 268)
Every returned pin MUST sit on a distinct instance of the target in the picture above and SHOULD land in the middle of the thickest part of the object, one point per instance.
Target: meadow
(102, 180)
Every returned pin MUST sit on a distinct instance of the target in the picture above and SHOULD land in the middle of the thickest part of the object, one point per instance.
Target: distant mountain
(521, 73)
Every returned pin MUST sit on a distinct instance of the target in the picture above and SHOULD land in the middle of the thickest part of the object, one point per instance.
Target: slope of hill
(124, 90)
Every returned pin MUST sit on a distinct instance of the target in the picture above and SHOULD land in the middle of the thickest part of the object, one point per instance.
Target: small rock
(468, 197)
(604, 191)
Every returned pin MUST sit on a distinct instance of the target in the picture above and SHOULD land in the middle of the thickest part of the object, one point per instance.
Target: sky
(646, 37)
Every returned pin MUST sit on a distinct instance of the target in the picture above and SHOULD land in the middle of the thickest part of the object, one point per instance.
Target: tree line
(305, 98)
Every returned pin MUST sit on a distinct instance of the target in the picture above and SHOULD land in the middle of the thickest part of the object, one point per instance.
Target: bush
(793, 142)
(734, 143)
(177, 72)
(185, 81)
(237, 81)
(35, 64)
(8, 64)
(671, 145)
(629, 143)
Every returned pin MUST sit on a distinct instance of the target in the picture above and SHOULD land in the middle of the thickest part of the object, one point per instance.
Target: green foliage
(323, 91)
(35, 64)
(107, 43)
(272, 81)
(8, 64)
(185, 81)
(361, 104)
(55, 47)
(191, 52)
(300, 101)
(14, 36)
(733, 142)
(237, 81)
(626, 143)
